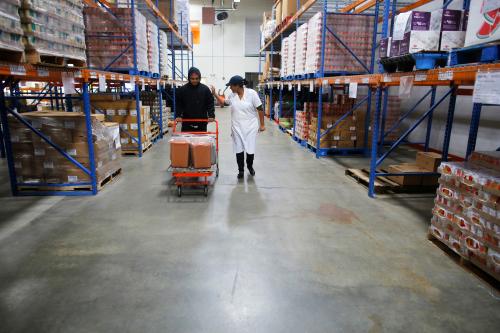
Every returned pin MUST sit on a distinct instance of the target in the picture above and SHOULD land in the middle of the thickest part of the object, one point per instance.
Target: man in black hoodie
(194, 100)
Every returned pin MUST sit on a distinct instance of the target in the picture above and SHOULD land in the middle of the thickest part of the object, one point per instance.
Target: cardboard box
(428, 161)
(406, 180)
(385, 47)
(289, 8)
(167, 8)
(179, 153)
(417, 31)
(201, 155)
(452, 29)
(482, 26)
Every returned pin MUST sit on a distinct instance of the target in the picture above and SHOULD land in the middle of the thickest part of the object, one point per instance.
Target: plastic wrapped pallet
(37, 162)
(115, 33)
(153, 48)
(124, 112)
(290, 62)
(11, 31)
(164, 68)
(53, 28)
(466, 214)
(284, 57)
(356, 31)
(301, 50)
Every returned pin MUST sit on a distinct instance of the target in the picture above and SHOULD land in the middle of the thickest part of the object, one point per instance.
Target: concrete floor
(300, 248)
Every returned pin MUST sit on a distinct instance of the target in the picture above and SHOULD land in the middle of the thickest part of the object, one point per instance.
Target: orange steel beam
(352, 6)
(366, 6)
(409, 7)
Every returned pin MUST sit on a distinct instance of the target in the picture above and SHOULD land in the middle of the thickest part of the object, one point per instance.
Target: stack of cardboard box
(356, 31)
(290, 61)
(153, 48)
(302, 122)
(164, 68)
(301, 50)
(11, 31)
(466, 215)
(116, 34)
(124, 112)
(284, 57)
(36, 161)
(198, 152)
(53, 28)
(284, 9)
(425, 162)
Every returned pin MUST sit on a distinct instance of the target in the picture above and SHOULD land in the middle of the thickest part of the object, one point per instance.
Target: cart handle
(216, 133)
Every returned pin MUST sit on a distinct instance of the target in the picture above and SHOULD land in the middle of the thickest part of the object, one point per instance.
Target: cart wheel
(205, 191)
(179, 191)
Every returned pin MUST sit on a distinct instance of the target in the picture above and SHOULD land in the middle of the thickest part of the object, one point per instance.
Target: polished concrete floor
(300, 248)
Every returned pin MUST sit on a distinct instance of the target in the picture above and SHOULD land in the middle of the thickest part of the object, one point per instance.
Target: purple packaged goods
(420, 21)
(451, 20)
(384, 47)
(404, 45)
(465, 20)
(395, 48)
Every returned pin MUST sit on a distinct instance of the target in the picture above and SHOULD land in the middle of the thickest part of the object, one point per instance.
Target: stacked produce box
(344, 134)
(182, 14)
(284, 56)
(302, 122)
(53, 28)
(356, 31)
(11, 31)
(466, 215)
(152, 100)
(164, 68)
(301, 50)
(36, 161)
(110, 35)
(124, 112)
(198, 152)
(290, 62)
(153, 48)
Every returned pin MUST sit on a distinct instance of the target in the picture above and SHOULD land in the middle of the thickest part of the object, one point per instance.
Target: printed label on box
(69, 124)
(48, 165)
(124, 126)
(133, 126)
(39, 152)
(71, 152)
(99, 164)
(336, 138)
(133, 113)
(110, 112)
(14, 138)
(122, 112)
(72, 179)
(18, 165)
(124, 141)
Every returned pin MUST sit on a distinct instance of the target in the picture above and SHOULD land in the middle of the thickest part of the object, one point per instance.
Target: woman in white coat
(247, 119)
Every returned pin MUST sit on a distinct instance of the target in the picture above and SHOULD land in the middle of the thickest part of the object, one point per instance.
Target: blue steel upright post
(8, 145)
(429, 120)
(449, 122)
(90, 141)
(136, 89)
(474, 126)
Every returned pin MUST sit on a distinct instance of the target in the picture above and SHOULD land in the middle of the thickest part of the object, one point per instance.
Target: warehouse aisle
(299, 248)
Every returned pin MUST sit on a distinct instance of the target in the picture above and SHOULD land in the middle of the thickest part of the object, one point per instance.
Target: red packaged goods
(487, 159)
(202, 155)
(179, 152)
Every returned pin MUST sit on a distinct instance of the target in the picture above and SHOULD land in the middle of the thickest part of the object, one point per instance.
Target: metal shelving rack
(11, 74)
(179, 45)
(378, 85)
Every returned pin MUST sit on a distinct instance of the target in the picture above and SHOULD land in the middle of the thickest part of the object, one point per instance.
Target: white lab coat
(244, 120)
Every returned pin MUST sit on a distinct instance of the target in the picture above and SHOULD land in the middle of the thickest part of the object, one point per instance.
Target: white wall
(489, 131)
(221, 53)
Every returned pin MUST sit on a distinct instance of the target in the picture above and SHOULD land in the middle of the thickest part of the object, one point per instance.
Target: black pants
(193, 127)
(240, 158)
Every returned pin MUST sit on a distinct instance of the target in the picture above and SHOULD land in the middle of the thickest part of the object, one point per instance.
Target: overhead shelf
(27, 72)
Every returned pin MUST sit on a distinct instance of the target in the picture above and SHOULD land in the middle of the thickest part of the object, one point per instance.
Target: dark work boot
(250, 164)
(240, 158)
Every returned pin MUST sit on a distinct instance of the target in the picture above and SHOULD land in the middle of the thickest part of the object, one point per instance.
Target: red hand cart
(182, 175)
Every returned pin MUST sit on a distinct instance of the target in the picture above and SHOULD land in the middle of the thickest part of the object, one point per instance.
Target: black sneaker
(241, 175)
(252, 171)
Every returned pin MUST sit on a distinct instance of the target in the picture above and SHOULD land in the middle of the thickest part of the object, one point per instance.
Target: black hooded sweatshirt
(194, 101)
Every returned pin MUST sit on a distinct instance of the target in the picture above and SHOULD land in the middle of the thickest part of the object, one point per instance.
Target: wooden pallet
(135, 152)
(71, 188)
(35, 58)
(384, 184)
(470, 265)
